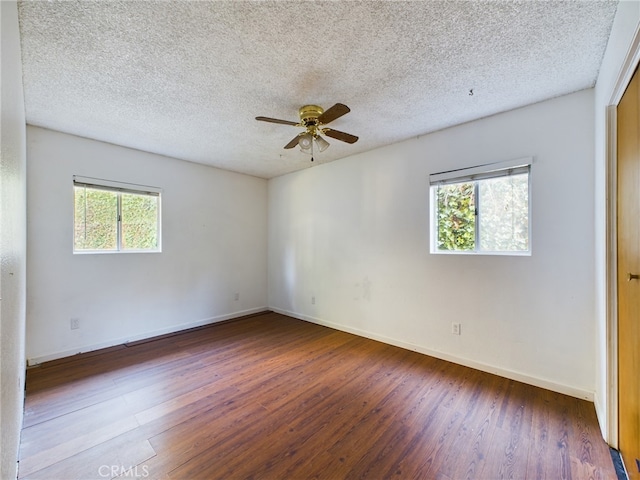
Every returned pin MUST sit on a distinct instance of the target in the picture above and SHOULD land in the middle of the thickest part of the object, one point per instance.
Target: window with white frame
(484, 209)
(115, 217)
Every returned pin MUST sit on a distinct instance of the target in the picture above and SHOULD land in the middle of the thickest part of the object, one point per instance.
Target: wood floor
(270, 397)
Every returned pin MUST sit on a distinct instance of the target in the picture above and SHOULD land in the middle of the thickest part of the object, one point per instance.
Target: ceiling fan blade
(334, 112)
(342, 136)
(275, 120)
(293, 142)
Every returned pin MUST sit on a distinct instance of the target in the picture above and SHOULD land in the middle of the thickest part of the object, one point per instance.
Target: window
(483, 209)
(115, 217)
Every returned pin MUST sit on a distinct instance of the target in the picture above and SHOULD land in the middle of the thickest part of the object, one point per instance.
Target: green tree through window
(456, 217)
(109, 219)
(139, 222)
(96, 216)
(504, 213)
(482, 213)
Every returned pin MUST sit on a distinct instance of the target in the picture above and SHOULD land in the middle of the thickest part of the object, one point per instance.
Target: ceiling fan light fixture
(305, 142)
(322, 143)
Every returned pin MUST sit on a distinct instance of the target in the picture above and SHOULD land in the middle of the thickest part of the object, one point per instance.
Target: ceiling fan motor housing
(309, 114)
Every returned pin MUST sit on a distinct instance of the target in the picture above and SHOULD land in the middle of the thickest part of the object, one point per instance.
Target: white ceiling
(186, 79)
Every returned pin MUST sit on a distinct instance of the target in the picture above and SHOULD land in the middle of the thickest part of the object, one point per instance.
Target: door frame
(629, 66)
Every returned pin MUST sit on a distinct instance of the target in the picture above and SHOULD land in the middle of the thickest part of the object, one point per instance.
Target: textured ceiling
(186, 79)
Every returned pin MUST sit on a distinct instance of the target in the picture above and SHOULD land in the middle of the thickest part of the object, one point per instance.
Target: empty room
(320, 239)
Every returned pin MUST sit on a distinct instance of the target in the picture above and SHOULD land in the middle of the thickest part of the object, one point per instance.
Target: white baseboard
(602, 421)
(31, 362)
(502, 372)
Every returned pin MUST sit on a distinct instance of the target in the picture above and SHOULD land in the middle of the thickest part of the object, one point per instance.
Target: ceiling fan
(313, 119)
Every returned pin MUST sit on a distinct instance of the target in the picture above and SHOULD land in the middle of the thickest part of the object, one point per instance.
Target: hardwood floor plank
(561, 435)
(47, 435)
(538, 465)
(347, 406)
(113, 458)
(311, 401)
(235, 417)
(466, 457)
(421, 417)
(585, 456)
(60, 400)
(271, 397)
(70, 447)
(510, 443)
(403, 441)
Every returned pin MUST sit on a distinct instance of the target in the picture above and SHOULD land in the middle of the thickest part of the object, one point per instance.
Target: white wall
(214, 227)
(355, 235)
(626, 23)
(12, 241)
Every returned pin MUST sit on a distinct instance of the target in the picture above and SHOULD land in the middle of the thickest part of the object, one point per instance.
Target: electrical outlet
(75, 323)
(236, 297)
(455, 328)
(313, 300)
